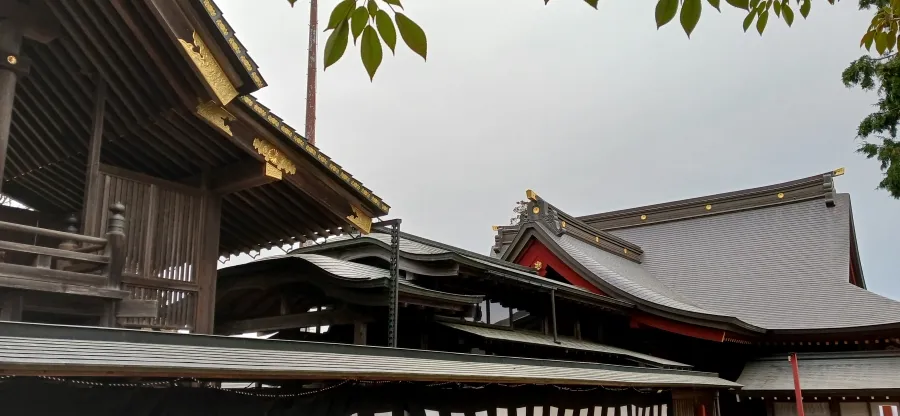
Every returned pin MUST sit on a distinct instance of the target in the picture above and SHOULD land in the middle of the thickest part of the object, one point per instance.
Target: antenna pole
(311, 68)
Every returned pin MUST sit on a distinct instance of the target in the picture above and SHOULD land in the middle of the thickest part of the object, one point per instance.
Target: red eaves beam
(710, 334)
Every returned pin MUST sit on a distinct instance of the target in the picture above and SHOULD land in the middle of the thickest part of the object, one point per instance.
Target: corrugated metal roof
(875, 370)
(783, 267)
(536, 338)
(79, 351)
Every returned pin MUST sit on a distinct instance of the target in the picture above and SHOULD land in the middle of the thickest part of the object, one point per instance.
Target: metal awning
(537, 338)
(35, 349)
(825, 372)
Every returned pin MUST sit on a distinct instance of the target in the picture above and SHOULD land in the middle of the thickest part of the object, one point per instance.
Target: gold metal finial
(643, 217)
(495, 227)
(780, 195)
(837, 172)
(531, 195)
(12, 60)
(708, 207)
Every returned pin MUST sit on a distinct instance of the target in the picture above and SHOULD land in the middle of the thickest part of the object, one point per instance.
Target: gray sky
(594, 110)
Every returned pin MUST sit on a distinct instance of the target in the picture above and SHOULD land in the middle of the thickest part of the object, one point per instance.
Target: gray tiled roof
(783, 267)
(825, 372)
(53, 349)
(537, 338)
(623, 274)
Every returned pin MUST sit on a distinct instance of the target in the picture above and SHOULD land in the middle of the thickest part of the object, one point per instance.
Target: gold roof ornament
(837, 172)
(495, 227)
(537, 265)
(531, 195)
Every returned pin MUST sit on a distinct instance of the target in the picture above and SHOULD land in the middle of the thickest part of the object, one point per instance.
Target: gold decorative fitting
(235, 46)
(222, 28)
(362, 221)
(708, 207)
(537, 265)
(12, 60)
(563, 224)
(216, 115)
(625, 250)
(272, 171)
(495, 227)
(209, 7)
(780, 195)
(596, 239)
(246, 63)
(837, 172)
(257, 79)
(531, 195)
(208, 67)
(643, 217)
(274, 156)
(536, 210)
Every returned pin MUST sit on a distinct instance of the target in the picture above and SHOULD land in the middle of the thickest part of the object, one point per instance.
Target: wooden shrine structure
(128, 129)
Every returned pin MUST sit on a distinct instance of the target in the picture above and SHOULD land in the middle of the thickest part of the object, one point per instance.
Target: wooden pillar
(208, 239)
(10, 44)
(92, 196)
(11, 307)
(359, 333)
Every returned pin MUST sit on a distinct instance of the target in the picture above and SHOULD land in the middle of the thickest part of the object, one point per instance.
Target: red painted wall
(535, 251)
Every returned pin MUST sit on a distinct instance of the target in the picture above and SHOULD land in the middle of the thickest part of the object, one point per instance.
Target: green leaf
(340, 13)
(804, 8)
(372, 8)
(788, 14)
(749, 19)
(690, 15)
(665, 12)
(413, 35)
(776, 6)
(891, 40)
(386, 29)
(761, 22)
(336, 44)
(292, 2)
(714, 3)
(880, 42)
(358, 21)
(740, 4)
(867, 40)
(754, 3)
(393, 3)
(592, 3)
(370, 51)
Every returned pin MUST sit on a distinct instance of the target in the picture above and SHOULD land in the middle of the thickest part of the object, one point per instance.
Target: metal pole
(393, 322)
(10, 42)
(797, 392)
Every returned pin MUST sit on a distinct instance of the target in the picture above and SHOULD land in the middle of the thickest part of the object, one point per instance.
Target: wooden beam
(235, 177)
(297, 320)
(360, 330)
(91, 211)
(10, 43)
(137, 308)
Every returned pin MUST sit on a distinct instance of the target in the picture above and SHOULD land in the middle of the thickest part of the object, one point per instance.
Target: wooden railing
(83, 265)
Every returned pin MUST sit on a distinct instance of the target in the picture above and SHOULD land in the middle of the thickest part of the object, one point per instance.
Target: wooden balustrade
(84, 265)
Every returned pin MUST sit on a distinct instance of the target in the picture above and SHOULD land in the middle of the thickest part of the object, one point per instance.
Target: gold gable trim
(362, 221)
(274, 156)
(209, 68)
(216, 115)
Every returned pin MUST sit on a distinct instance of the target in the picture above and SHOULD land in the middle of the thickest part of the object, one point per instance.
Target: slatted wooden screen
(162, 245)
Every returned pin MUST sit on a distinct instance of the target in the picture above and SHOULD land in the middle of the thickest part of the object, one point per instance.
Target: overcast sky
(594, 110)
